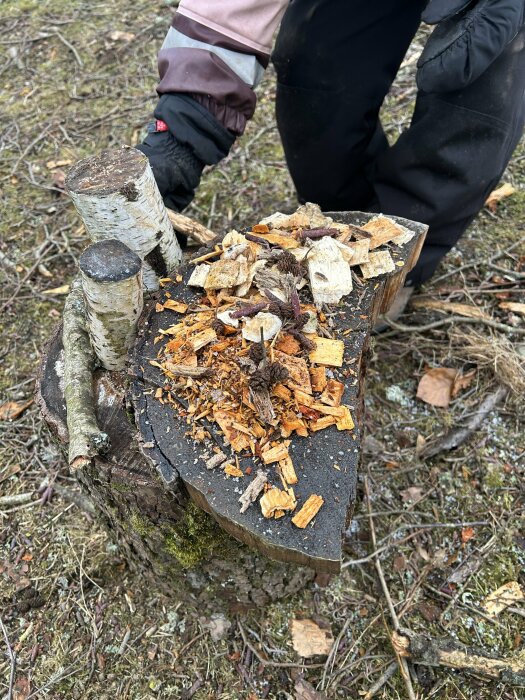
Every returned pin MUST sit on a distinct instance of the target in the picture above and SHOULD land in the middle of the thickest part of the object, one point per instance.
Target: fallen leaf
(429, 611)
(498, 194)
(462, 381)
(411, 494)
(57, 291)
(450, 307)
(117, 35)
(305, 691)
(59, 180)
(308, 639)
(12, 409)
(502, 597)
(515, 306)
(467, 533)
(436, 385)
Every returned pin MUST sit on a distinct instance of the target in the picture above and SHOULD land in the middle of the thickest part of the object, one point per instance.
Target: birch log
(116, 196)
(111, 276)
(85, 437)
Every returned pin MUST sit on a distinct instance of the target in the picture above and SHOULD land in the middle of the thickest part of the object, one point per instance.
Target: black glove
(470, 35)
(193, 139)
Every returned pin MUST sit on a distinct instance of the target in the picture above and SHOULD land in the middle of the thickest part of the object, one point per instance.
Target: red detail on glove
(160, 125)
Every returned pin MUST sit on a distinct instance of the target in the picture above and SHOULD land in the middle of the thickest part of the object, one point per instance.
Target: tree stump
(184, 530)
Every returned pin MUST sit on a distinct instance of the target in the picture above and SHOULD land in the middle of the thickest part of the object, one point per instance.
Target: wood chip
(302, 398)
(253, 490)
(224, 274)
(287, 471)
(379, 263)
(327, 352)
(333, 393)
(299, 376)
(270, 324)
(329, 274)
(279, 239)
(345, 422)
(200, 340)
(276, 500)
(495, 197)
(238, 441)
(282, 392)
(322, 423)
(275, 454)
(288, 344)
(198, 276)
(318, 378)
(173, 305)
(383, 230)
(215, 460)
(515, 306)
(309, 510)
(231, 470)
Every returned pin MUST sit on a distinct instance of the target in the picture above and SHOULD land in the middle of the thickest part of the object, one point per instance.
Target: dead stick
(12, 658)
(383, 678)
(188, 371)
(448, 652)
(403, 666)
(456, 437)
(190, 227)
(453, 319)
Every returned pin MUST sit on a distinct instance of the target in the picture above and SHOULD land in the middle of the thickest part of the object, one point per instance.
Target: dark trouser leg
(335, 61)
(443, 167)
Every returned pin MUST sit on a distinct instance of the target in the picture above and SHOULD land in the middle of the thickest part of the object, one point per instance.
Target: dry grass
(91, 629)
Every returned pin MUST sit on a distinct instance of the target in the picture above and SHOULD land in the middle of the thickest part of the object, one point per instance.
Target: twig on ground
(403, 666)
(266, 662)
(456, 437)
(12, 658)
(451, 320)
(383, 678)
(70, 46)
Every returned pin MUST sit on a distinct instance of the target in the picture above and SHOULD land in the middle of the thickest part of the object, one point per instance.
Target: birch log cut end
(116, 196)
(111, 276)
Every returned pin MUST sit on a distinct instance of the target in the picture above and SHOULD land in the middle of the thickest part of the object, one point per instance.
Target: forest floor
(77, 77)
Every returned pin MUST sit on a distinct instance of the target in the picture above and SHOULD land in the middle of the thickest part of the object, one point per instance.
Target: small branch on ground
(190, 227)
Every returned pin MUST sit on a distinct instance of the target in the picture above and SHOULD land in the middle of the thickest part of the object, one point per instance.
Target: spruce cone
(218, 326)
(288, 263)
(256, 353)
(259, 381)
(277, 373)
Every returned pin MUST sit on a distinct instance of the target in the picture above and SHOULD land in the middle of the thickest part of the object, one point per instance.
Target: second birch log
(111, 276)
(116, 196)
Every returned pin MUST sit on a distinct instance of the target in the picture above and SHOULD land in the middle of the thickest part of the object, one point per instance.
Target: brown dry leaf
(305, 691)
(462, 381)
(308, 639)
(12, 409)
(467, 533)
(411, 494)
(498, 194)
(501, 598)
(515, 306)
(436, 385)
(467, 310)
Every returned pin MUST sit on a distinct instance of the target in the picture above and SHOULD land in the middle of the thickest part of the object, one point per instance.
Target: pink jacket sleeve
(216, 51)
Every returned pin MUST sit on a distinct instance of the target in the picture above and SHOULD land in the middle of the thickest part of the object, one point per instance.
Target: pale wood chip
(287, 470)
(333, 393)
(345, 422)
(383, 230)
(276, 500)
(309, 510)
(199, 340)
(231, 470)
(380, 262)
(275, 454)
(322, 423)
(327, 352)
(299, 376)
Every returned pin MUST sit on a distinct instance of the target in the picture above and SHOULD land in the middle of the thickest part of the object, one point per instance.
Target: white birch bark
(85, 437)
(116, 196)
(111, 277)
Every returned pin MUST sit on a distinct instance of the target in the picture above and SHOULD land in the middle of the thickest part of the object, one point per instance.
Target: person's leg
(441, 170)
(335, 61)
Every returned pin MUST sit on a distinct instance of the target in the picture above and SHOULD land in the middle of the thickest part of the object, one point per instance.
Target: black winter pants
(335, 62)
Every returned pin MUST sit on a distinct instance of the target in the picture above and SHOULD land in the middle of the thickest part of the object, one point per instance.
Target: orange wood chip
(276, 500)
(383, 230)
(308, 511)
(174, 305)
(318, 378)
(333, 393)
(298, 370)
(290, 423)
(287, 471)
(345, 422)
(288, 344)
(231, 470)
(199, 340)
(322, 423)
(302, 398)
(238, 441)
(275, 454)
(282, 392)
(260, 228)
(280, 239)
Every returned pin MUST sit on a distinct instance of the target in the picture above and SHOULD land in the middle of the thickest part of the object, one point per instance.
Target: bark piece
(308, 512)
(327, 352)
(448, 652)
(254, 489)
(215, 460)
(199, 276)
(111, 277)
(308, 639)
(116, 196)
(299, 376)
(270, 324)
(330, 276)
(379, 263)
(85, 437)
